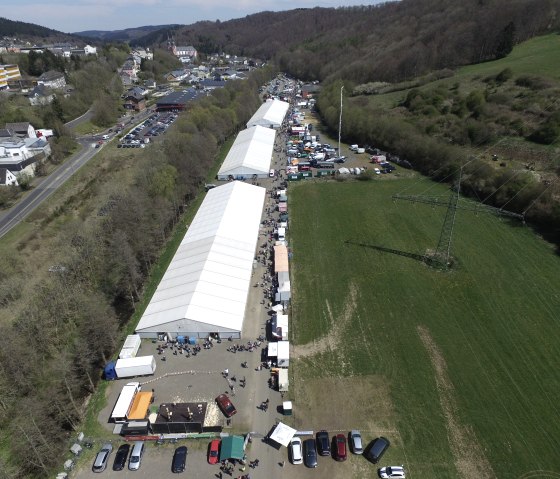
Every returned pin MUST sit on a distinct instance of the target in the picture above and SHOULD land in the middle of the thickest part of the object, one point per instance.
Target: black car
(323, 443)
(179, 459)
(310, 453)
(121, 457)
(377, 448)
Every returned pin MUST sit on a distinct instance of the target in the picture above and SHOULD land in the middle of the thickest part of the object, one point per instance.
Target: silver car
(102, 458)
(355, 440)
(136, 456)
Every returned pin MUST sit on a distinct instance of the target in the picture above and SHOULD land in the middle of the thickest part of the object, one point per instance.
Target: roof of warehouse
(208, 279)
(251, 152)
(178, 97)
(271, 112)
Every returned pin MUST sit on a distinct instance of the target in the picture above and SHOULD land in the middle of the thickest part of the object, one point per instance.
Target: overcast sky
(78, 15)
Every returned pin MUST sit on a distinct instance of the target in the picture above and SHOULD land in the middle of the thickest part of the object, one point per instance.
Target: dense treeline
(390, 42)
(514, 190)
(68, 327)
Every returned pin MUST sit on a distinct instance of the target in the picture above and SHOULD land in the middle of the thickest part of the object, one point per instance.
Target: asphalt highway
(48, 185)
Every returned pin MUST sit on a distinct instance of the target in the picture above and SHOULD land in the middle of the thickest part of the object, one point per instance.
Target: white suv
(392, 471)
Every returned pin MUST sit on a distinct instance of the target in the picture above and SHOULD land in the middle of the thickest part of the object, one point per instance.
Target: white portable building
(270, 114)
(130, 347)
(250, 155)
(205, 288)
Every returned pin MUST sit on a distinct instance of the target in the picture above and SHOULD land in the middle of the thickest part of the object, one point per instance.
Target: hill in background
(125, 35)
(33, 33)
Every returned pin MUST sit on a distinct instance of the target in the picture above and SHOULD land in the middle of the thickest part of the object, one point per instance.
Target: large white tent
(270, 114)
(205, 288)
(250, 155)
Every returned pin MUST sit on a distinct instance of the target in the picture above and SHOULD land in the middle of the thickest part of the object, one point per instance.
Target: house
(134, 101)
(177, 76)
(89, 50)
(150, 84)
(22, 130)
(52, 79)
(188, 52)
(138, 90)
(40, 95)
(7, 178)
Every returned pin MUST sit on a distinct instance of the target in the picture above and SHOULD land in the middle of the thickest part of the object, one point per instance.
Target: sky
(70, 16)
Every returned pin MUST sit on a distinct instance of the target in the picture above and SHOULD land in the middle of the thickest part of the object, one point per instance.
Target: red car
(214, 452)
(226, 405)
(340, 447)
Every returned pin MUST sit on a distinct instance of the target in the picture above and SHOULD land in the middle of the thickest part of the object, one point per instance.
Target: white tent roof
(271, 112)
(250, 154)
(283, 434)
(207, 282)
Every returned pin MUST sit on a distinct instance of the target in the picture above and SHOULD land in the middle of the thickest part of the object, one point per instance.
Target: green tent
(232, 448)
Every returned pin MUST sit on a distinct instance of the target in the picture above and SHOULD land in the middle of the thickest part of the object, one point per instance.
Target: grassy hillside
(468, 358)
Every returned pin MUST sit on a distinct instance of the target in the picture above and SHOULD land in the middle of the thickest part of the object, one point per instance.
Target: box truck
(130, 367)
(125, 400)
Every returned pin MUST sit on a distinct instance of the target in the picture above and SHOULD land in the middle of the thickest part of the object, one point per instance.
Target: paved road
(48, 185)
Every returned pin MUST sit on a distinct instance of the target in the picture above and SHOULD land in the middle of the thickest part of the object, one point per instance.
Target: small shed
(140, 406)
(232, 448)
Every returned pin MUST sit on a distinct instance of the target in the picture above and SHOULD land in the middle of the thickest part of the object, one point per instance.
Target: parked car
(296, 450)
(120, 457)
(179, 459)
(214, 452)
(355, 440)
(323, 444)
(225, 404)
(310, 453)
(340, 447)
(377, 448)
(102, 458)
(135, 459)
(392, 471)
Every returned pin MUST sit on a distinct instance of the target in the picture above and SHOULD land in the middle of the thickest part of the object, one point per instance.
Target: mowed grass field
(467, 360)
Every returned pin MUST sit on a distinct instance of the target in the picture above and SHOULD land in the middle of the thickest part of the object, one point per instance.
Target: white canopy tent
(250, 155)
(206, 285)
(270, 114)
(283, 434)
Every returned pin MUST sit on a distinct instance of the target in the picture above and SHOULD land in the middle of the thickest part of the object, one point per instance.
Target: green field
(470, 358)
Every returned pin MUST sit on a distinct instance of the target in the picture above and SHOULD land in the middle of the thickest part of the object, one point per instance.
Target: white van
(136, 456)
(272, 173)
(105, 137)
(281, 234)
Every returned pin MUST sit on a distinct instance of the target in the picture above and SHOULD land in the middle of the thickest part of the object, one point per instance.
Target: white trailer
(125, 400)
(131, 346)
(283, 358)
(139, 366)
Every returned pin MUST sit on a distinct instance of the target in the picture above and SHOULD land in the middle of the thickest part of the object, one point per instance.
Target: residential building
(52, 79)
(22, 129)
(7, 178)
(40, 95)
(186, 54)
(89, 50)
(135, 101)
